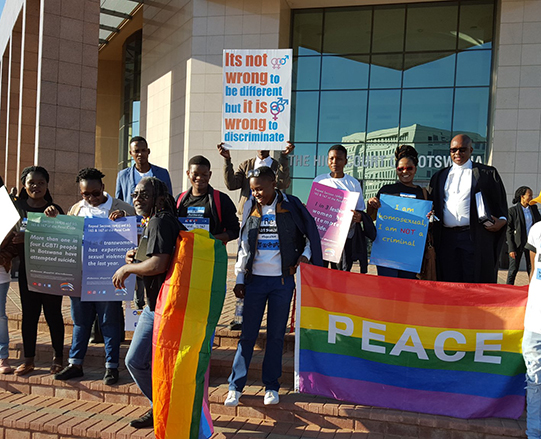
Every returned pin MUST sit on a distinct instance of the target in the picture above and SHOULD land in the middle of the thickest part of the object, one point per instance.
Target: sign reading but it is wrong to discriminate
(256, 98)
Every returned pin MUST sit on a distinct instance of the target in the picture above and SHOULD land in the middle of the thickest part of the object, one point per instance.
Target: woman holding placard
(35, 197)
(406, 159)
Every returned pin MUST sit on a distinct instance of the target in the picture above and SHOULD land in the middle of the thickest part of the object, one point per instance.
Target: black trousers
(456, 257)
(32, 303)
(514, 265)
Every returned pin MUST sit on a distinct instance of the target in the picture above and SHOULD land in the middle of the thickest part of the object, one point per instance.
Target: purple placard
(333, 210)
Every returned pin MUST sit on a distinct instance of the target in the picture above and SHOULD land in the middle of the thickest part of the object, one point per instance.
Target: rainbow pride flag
(187, 311)
(431, 347)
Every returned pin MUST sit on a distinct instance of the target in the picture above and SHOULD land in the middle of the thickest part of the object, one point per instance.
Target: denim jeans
(4, 334)
(139, 357)
(277, 291)
(531, 350)
(83, 314)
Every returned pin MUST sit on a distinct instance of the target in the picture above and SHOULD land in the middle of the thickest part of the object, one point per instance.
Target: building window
(131, 97)
(375, 77)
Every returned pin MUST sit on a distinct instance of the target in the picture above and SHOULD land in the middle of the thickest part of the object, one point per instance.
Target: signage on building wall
(256, 98)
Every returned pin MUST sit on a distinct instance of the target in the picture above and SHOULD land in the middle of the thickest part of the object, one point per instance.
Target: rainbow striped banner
(431, 347)
(186, 316)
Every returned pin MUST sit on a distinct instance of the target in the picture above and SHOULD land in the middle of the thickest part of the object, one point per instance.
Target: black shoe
(110, 377)
(69, 372)
(145, 421)
(235, 326)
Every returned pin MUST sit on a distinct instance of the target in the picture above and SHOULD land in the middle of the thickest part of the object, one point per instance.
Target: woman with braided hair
(406, 162)
(153, 202)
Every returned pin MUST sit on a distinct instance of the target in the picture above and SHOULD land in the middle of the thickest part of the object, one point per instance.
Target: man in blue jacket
(277, 234)
(129, 178)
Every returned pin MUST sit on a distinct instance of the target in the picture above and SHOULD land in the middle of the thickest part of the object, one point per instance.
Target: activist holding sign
(239, 179)
(277, 234)
(150, 261)
(35, 197)
(355, 246)
(96, 203)
(205, 207)
(406, 162)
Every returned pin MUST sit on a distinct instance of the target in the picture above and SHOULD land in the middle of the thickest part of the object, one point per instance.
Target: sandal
(5, 368)
(57, 365)
(24, 368)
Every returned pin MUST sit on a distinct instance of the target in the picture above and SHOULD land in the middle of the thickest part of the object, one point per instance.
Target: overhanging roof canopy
(113, 15)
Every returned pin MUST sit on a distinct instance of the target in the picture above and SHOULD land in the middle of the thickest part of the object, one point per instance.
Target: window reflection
(386, 71)
(347, 30)
(429, 107)
(471, 111)
(341, 113)
(388, 35)
(304, 121)
(373, 78)
(476, 20)
(429, 69)
(383, 109)
(307, 32)
(306, 73)
(473, 68)
(344, 72)
(431, 27)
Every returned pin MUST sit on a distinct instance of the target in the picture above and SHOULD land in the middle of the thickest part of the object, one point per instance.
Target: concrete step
(314, 413)
(36, 417)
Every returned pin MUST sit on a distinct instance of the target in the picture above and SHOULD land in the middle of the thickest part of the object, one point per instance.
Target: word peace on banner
(430, 347)
(53, 250)
(257, 98)
(402, 226)
(332, 210)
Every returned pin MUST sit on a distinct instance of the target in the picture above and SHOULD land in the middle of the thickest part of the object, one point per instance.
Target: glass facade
(374, 77)
(131, 97)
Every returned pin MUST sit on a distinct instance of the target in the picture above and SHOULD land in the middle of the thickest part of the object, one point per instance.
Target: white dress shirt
(265, 162)
(457, 196)
(101, 211)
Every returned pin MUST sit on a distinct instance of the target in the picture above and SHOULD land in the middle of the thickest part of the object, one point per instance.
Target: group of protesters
(275, 234)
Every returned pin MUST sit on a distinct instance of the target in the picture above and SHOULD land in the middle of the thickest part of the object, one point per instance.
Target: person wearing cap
(522, 216)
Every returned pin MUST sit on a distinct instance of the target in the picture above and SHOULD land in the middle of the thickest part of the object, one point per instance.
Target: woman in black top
(406, 167)
(35, 197)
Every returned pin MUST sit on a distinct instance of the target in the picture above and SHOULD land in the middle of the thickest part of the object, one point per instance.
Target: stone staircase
(38, 407)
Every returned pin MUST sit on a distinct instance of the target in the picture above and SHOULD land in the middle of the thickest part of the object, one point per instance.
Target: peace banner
(432, 347)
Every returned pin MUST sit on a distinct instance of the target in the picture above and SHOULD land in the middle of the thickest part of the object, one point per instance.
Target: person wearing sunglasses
(470, 200)
(406, 161)
(95, 203)
(152, 201)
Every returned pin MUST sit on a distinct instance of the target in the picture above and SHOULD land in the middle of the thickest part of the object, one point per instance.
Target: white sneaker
(271, 397)
(232, 399)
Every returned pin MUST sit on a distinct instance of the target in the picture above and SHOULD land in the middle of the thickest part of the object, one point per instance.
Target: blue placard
(402, 226)
(105, 245)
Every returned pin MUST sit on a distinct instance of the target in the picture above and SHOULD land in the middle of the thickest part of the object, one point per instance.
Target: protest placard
(53, 248)
(132, 317)
(10, 216)
(256, 98)
(333, 210)
(105, 245)
(401, 226)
